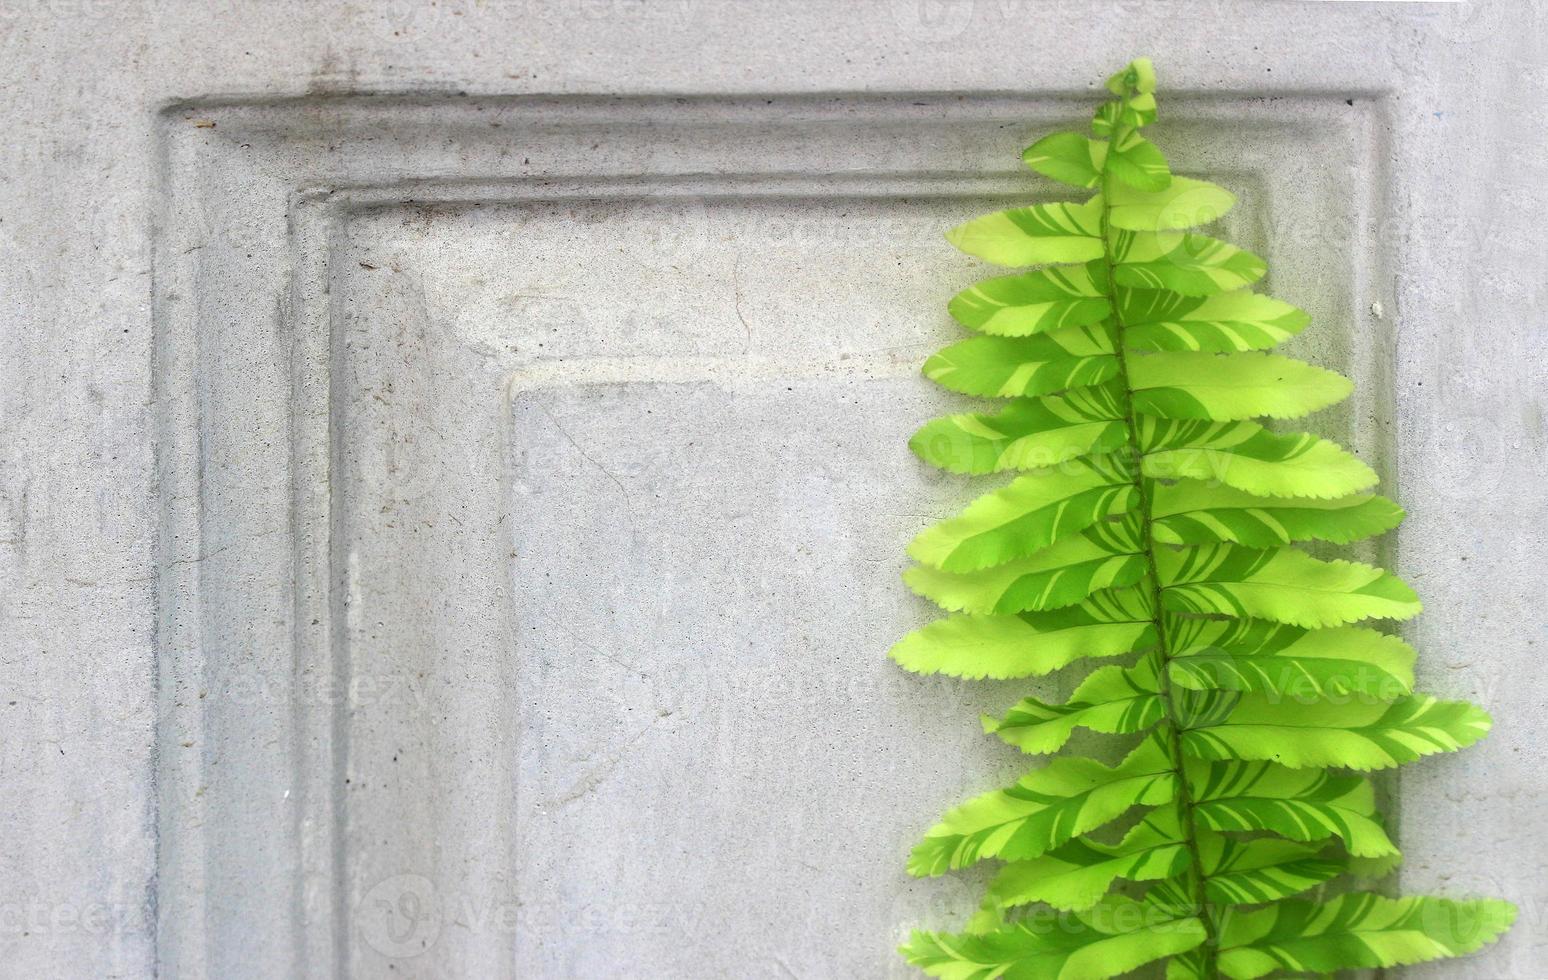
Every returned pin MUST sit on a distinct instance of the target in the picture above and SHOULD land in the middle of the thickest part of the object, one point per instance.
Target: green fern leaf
(1158, 320)
(1283, 585)
(1190, 264)
(1005, 367)
(1060, 575)
(1030, 644)
(1247, 457)
(1177, 202)
(1116, 939)
(1031, 433)
(1046, 808)
(1139, 165)
(1034, 235)
(1133, 111)
(1035, 302)
(1299, 804)
(1273, 658)
(1068, 157)
(1263, 869)
(1136, 78)
(1228, 387)
(1156, 520)
(1199, 513)
(1354, 735)
(1114, 700)
(1029, 514)
(1077, 875)
(1357, 930)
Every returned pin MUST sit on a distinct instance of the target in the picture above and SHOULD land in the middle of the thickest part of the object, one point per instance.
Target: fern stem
(1142, 489)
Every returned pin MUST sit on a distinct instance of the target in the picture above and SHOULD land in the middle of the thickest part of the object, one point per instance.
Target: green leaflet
(1176, 203)
(1357, 930)
(1186, 263)
(1297, 804)
(1346, 732)
(1255, 886)
(1048, 299)
(1115, 700)
(1029, 434)
(1067, 157)
(1241, 320)
(1137, 78)
(1256, 656)
(1247, 457)
(1116, 938)
(1044, 809)
(1031, 513)
(1191, 512)
(1251, 871)
(1030, 644)
(1284, 585)
(1155, 522)
(1005, 367)
(1141, 170)
(1034, 235)
(1226, 387)
(1132, 111)
(1294, 804)
(1077, 875)
(1101, 557)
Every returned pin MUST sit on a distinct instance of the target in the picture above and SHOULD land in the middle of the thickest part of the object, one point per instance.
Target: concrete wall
(455, 486)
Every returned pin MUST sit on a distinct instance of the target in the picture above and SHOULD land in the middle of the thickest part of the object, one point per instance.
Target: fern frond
(1193, 265)
(1177, 203)
(1154, 519)
(1069, 158)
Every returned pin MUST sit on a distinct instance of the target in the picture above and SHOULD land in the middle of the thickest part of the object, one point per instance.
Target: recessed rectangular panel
(627, 493)
(601, 493)
(625, 601)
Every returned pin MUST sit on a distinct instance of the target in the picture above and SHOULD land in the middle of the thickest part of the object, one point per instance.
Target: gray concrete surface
(455, 533)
